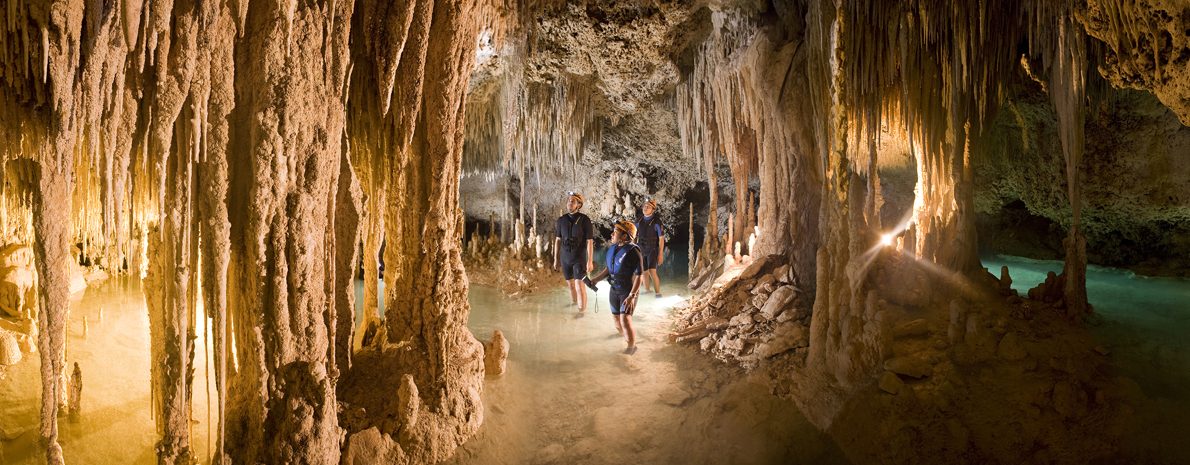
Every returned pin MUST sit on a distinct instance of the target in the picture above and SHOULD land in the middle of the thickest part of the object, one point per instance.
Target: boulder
(754, 269)
(786, 337)
(777, 302)
(909, 366)
(783, 275)
(891, 383)
(10, 351)
(367, 447)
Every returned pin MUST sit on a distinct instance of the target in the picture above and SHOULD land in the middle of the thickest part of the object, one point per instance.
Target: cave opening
(357, 232)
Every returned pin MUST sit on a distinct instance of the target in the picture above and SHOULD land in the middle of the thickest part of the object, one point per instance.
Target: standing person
(573, 247)
(652, 244)
(625, 264)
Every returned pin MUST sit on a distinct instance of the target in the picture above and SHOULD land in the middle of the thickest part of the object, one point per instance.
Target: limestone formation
(10, 351)
(495, 354)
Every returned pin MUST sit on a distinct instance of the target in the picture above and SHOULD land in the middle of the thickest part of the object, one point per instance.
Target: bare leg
(582, 292)
(656, 281)
(629, 333)
(619, 329)
(573, 284)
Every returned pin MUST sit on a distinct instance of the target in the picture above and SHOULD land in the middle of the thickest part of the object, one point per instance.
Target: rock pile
(759, 314)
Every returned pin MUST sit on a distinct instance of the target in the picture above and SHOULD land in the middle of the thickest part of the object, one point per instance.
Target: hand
(555, 265)
(629, 304)
(660, 258)
(590, 266)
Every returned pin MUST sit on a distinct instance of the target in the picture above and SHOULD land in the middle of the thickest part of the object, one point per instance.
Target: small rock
(740, 320)
(778, 301)
(707, 342)
(759, 318)
(731, 346)
(1102, 350)
(1011, 349)
(674, 396)
(782, 274)
(917, 327)
(550, 454)
(763, 281)
(909, 366)
(717, 323)
(891, 383)
(759, 300)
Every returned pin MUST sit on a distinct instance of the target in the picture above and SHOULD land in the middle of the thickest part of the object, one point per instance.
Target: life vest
(572, 240)
(618, 274)
(646, 233)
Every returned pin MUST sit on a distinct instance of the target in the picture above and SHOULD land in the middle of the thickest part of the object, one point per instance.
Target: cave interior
(922, 231)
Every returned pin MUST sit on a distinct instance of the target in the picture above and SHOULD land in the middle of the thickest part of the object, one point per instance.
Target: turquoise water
(1144, 321)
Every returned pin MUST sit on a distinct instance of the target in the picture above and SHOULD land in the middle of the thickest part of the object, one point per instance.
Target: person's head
(574, 202)
(623, 232)
(650, 207)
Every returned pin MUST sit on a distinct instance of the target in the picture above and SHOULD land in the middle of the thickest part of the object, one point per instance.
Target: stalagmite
(408, 403)
(75, 404)
(495, 356)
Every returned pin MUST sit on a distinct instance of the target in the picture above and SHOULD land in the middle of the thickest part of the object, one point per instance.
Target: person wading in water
(625, 264)
(573, 250)
(651, 238)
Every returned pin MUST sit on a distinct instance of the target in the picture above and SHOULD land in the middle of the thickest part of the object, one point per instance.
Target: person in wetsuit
(573, 250)
(625, 264)
(651, 239)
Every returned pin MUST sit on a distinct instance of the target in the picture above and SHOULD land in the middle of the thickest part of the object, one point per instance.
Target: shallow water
(115, 425)
(569, 394)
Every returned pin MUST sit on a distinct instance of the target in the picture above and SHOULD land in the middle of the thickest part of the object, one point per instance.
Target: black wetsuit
(648, 235)
(574, 230)
(624, 263)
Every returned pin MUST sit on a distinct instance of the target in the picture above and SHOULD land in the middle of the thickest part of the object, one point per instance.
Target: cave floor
(570, 396)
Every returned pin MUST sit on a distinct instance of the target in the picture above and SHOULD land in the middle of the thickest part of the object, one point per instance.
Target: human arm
(600, 276)
(590, 255)
(557, 249)
(660, 249)
(589, 233)
(629, 304)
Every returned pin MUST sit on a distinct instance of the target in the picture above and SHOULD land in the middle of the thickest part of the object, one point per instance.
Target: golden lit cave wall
(152, 119)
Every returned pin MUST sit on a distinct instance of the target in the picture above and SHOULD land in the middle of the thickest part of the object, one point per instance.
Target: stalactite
(1062, 43)
(425, 294)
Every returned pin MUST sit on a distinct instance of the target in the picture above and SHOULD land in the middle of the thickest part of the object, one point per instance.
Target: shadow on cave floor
(569, 396)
